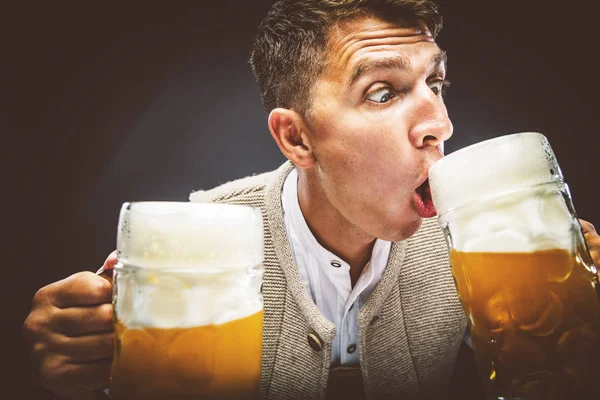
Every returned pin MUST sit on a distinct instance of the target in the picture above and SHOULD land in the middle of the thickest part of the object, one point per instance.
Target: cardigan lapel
(290, 368)
(434, 319)
(386, 360)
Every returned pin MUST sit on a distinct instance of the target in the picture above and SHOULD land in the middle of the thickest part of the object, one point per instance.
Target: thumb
(587, 226)
(109, 264)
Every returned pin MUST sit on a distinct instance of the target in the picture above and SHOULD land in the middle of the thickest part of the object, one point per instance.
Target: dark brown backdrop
(106, 103)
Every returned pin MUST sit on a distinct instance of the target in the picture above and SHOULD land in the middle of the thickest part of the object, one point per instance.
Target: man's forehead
(363, 26)
(349, 40)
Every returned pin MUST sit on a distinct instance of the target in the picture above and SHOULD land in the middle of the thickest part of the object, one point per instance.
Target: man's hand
(71, 334)
(593, 241)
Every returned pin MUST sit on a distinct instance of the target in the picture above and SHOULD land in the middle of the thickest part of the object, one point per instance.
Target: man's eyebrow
(397, 62)
(439, 59)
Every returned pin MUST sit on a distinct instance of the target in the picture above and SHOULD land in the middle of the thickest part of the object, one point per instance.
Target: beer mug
(521, 267)
(187, 302)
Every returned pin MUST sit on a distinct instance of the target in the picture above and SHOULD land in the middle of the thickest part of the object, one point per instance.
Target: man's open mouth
(424, 191)
(423, 201)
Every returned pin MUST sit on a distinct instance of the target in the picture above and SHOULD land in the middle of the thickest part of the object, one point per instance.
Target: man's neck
(331, 229)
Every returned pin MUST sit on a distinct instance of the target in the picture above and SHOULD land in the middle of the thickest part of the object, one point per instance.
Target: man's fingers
(593, 243)
(80, 289)
(106, 271)
(76, 380)
(76, 321)
(595, 254)
(110, 262)
(592, 240)
(94, 375)
(587, 226)
(84, 349)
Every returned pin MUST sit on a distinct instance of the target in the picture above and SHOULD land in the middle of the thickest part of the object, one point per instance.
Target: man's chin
(402, 231)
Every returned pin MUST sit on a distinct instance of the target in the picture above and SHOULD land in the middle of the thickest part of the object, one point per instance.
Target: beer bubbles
(187, 301)
(521, 270)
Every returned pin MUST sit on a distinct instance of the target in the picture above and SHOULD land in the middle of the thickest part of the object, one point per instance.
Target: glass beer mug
(187, 302)
(522, 269)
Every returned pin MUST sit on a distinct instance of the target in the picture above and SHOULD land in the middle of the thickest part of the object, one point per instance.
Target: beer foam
(495, 166)
(470, 186)
(175, 235)
(187, 264)
(516, 224)
(176, 299)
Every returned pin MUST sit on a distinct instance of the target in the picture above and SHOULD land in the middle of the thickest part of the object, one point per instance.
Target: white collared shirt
(326, 276)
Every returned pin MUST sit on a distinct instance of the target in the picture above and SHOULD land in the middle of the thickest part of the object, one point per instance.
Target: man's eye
(439, 87)
(382, 95)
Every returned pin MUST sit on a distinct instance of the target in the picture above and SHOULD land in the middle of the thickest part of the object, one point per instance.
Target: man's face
(377, 124)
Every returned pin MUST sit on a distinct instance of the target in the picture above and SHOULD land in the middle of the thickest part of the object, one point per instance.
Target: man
(359, 299)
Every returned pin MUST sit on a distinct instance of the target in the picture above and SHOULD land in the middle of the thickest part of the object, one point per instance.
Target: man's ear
(290, 132)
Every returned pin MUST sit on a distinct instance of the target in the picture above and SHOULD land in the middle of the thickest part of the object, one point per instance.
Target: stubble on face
(344, 181)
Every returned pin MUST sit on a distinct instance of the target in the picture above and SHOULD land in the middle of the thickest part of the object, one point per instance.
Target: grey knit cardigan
(410, 329)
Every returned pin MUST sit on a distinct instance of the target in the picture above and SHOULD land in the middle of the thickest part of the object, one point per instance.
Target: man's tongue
(423, 202)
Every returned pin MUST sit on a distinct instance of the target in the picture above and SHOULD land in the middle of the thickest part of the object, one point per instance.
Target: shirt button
(351, 349)
(314, 342)
(336, 264)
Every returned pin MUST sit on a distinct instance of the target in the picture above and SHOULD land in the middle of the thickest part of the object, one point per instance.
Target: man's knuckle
(34, 325)
(77, 279)
(31, 331)
(48, 319)
(105, 312)
(101, 293)
(60, 342)
(41, 297)
(82, 277)
(102, 286)
(30, 327)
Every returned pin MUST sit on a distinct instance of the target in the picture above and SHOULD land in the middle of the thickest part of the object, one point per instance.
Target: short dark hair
(288, 54)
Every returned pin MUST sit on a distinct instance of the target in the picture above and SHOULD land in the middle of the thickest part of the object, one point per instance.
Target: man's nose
(431, 125)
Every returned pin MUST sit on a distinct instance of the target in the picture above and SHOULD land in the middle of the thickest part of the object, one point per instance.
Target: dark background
(105, 103)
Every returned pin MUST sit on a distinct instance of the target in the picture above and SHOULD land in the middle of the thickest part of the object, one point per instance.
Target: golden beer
(212, 362)
(187, 302)
(535, 322)
(522, 269)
